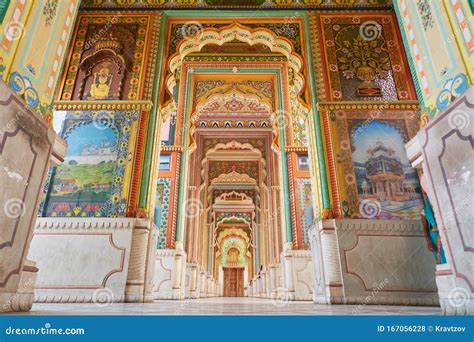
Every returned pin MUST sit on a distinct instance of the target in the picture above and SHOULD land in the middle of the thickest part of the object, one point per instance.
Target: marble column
(178, 271)
(203, 288)
(397, 268)
(273, 280)
(208, 285)
(193, 281)
(268, 283)
(264, 283)
(287, 269)
(27, 146)
(319, 283)
(332, 268)
(139, 286)
(444, 149)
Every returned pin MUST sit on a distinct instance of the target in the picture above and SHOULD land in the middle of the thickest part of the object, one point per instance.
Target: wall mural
(385, 179)
(377, 180)
(90, 181)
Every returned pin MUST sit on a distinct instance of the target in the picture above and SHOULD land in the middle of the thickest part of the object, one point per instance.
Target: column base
(340, 278)
(72, 243)
(14, 302)
(23, 299)
(454, 296)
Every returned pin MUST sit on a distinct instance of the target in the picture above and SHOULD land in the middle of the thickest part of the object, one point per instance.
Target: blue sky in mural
(374, 132)
(88, 134)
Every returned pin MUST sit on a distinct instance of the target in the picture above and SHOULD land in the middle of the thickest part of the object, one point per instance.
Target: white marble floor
(227, 306)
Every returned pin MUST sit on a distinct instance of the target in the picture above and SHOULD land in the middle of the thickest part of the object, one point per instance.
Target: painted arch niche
(233, 252)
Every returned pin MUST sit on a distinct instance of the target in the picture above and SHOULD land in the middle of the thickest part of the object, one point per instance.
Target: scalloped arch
(241, 33)
(233, 145)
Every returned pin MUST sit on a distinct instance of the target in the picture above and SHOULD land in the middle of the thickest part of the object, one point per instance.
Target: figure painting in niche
(82, 184)
(387, 185)
(101, 84)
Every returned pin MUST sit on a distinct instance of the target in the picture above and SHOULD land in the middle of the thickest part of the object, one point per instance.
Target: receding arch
(241, 33)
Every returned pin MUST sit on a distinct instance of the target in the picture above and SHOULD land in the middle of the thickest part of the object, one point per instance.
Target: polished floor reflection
(227, 306)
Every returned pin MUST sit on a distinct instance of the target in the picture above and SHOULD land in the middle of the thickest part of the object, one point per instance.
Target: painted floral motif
(424, 9)
(290, 30)
(217, 168)
(370, 65)
(452, 88)
(23, 87)
(161, 209)
(300, 136)
(305, 207)
(238, 215)
(49, 11)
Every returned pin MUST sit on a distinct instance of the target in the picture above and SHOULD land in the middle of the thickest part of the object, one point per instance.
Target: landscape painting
(82, 184)
(387, 185)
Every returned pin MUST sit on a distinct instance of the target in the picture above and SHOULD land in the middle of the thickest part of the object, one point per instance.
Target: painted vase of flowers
(362, 58)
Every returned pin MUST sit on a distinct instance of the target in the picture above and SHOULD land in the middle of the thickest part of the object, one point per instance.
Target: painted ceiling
(226, 4)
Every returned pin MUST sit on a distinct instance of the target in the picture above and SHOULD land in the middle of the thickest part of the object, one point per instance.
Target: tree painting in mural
(388, 186)
(85, 178)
